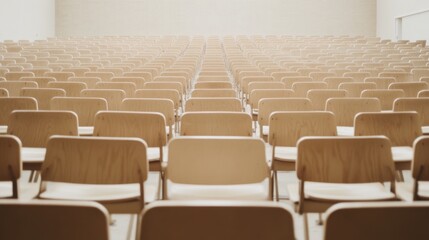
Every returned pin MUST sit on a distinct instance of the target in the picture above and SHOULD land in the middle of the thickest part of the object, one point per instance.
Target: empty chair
(320, 76)
(244, 84)
(89, 81)
(270, 105)
(337, 169)
(147, 126)
(11, 76)
(419, 74)
(345, 110)
(72, 89)
(60, 76)
(43, 95)
(355, 89)
(4, 92)
(128, 87)
(170, 94)
(216, 124)
(265, 85)
(193, 220)
(217, 168)
(391, 220)
(42, 82)
(301, 88)
(213, 104)
(213, 78)
(289, 81)
(10, 166)
(138, 81)
(85, 109)
(213, 93)
(399, 76)
(381, 82)
(163, 106)
(318, 97)
(14, 87)
(357, 76)
(410, 89)
(104, 76)
(286, 128)
(402, 128)
(111, 171)
(423, 94)
(34, 128)
(213, 84)
(420, 105)
(334, 82)
(180, 80)
(8, 105)
(113, 97)
(386, 97)
(165, 85)
(29, 220)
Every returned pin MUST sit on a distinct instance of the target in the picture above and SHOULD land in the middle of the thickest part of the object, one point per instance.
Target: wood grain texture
(212, 93)
(420, 105)
(357, 76)
(128, 87)
(182, 80)
(270, 105)
(399, 76)
(301, 88)
(245, 81)
(318, 97)
(138, 81)
(213, 104)
(43, 95)
(279, 76)
(104, 76)
(420, 163)
(42, 82)
(8, 105)
(290, 80)
(146, 75)
(113, 97)
(265, 85)
(14, 87)
(259, 94)
(334, 82)
(345, 109)
(89, 81)
(60, 76)
(381, 82)
(85, 108)
(386, 97)
(423, 94)
(213, 84)
(355, 89)
(10, 158)
(72, 89)
(4, 92)
(163, 106)
(165, 85)
(410, 89)
(320, 76)
(170, 94)
(11, 76)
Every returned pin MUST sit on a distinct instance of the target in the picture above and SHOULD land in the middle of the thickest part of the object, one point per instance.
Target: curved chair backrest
(8, 105)
(345, 109)
(420, 105)
(10, 162)
(85, 108)
(270, 105)
(212, 93)
(318, 97)
(163, 106)
(213, 104)
(43, 95)
(128, 87)
(113, 97)
(386, 96)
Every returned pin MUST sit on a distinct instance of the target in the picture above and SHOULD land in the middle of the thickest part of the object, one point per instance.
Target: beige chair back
(8, 105)
(334, 82)
(411, 89)
(10, 163)
(170, 94)
(113, 97)
(72, 89)
(318, 97)
(386, 97)
(420, 105)
(301, 88)
(213, 104)
(270, 105)
(381, 82)
(345, 109)
(163, 106)
(213, 84)
(355, 89)
(85, 108)
(14, 87)
(128, 87)
(214, 93)
(43, 95)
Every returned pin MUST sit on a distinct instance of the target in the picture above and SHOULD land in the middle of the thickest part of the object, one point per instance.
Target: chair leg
(276, 186)
(306, 233)
(130, 226)
(36, 176)
(112, 221)
(399, 176)
(30, 178)
(320, 220)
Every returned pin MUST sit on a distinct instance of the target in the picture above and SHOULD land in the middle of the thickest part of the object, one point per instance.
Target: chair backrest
(148, 126)
(286, 128)
(138, 81)
(85, 108)
(345, 159)
(423, 94)
(39, 220)
(128, 87)
(376, 220)
(72, 89)
(420, 163)
(170, 94)
(213, 78)
(104, 76)
(213, 104)
(386, 96)
(100, 160)
(318, 97)
(269, 105)
(357, 76)
(289, 81)
(244, 84)
(381, 82)
(345, 109)
(399, 76)
(163, 106)
(8, 105)
(334, 82)
(265, 85)
(14, 87)
(43, 124)
(216, 160)
(212, 93)
(181, 80)
(165, 85)
(301, 88)
(411, 89)
(89, 81)
(420, 105)
(216, 124)
(10, 162)
(43, 95)
(113, 97)
(213, 84)
(355, 89)
(259, 94)
(42, 82)
(4, 92)
(402, 128)
(320, 76)
(193, 220)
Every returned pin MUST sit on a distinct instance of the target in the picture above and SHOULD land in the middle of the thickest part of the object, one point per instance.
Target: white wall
(387, 10)
(27, 19)
(220, 17)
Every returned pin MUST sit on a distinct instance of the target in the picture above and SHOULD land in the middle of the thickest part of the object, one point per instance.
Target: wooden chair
(423, 94)
(192, 220)
(111, 171)
(149, 127)
(147, 76)
(13, 76)
(72, 89)
(183, 82)
(410, 89)
(402, 128)
(270, 105)
(265, 85)
(14, 87)
(104, 76)
(216, 124)
(213, 104)
(113, 97)
(165, 85)
(8, 105)
(337, 169)
(128, 87)
(355, 89)
(357, 76)
(213, 93)
(138, 81)
(393, 221)
(289, 81)
(43, 95)
(213, 79)
(213, 85)
(419, 73)
(345, 110)
(286, 128)
(170, 94)
(381, 82)
(42, 82)
(399, 76)
(29, 220)
(420, 105)
(301, 88)
(163, 106)
(4, 92)
(10, 166)
(386, 97)
(43, 124)
(244, 83)
(321, 76)
(85, 109)
(60, 76)
(318, 97)
(217, 168)
(89, 81)
(334, 82)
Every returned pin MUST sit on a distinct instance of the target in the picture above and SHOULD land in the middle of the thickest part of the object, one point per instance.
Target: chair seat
(402, 154)
(425, 130)
(86, 131)
(97, 192)
(265, 130)
(153, 154)
(254, 191)
(6, 189)
(404, 190)
(341, 192)
(345, 131)
(34, 155)
(289, 154)
(3, 129)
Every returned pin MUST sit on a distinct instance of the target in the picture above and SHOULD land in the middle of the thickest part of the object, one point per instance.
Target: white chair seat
(6, 189)
(287, 154)
(86, 131)
(254, 191)
(341, 192)
(265, 130)
(402, 154)
(153, 154)
(97, 192)
(345, 131)
(3, 129)
(404, 190)
(425, 130)
(30, 154)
